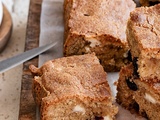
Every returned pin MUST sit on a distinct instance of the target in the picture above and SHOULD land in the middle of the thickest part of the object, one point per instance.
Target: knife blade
(19, 59)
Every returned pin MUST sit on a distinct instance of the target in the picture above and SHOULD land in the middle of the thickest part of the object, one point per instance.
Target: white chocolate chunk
(150, 98)
(78, 108)
(125, 54)
(107, 118)
(87, 49)
(93, 42)
(59, 68)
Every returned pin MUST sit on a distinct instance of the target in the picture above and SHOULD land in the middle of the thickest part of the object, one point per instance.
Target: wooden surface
(5, 28)
(27, 105)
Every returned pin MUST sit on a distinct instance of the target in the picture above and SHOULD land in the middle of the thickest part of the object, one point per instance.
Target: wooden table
(27, 105)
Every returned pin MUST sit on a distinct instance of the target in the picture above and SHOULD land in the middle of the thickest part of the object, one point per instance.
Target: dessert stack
(139, 83)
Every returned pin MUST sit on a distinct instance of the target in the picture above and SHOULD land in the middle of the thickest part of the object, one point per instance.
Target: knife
(19, 59)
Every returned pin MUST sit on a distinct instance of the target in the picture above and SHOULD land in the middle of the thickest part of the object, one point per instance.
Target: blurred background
(10, 81)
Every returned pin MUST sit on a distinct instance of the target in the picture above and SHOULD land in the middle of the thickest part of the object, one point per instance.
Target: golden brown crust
(143, 25)
(143, 36)
(81, 78)
(97, 27)
(76, 75)
(98, 17)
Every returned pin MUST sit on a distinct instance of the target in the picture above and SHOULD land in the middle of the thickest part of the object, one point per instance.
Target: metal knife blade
(19, 59)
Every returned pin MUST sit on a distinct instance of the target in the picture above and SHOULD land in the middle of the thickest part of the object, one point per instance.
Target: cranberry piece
(131, 85)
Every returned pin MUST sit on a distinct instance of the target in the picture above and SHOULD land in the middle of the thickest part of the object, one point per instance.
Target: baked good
(139, 83)
(94, 26)
(143, 36)
(138, 95)
(149, 2)
(73, 88)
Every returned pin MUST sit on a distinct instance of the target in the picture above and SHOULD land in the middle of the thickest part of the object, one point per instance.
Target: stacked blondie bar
(98, 26)
(139, 83)
(73, 88)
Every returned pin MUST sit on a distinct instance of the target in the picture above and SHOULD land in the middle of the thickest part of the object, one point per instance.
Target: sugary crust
(77, 77)
(97, 17)
(144, 28)
(82, 76)
(97, 27)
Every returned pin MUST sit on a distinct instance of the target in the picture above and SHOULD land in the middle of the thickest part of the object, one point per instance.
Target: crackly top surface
(145, 23)
(80, 76)
(96, 17)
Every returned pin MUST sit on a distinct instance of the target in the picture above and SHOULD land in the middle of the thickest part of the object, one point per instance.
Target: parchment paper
(52, 30)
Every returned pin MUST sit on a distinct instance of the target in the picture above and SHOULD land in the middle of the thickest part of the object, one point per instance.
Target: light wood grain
(27, 105)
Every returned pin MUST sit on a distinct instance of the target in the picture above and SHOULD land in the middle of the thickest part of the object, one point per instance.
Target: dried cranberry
(131, 85)
(144, 114)
(153, 3)
(129, 56)
(99, 118)
(136, 106)
(135, 65)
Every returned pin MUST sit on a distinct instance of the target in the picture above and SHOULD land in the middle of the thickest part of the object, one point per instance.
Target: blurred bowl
(1, 12)
(5, 28)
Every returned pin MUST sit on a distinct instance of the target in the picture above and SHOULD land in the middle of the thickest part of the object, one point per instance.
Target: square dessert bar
(98, 26)
(149, 2)
(138, 96)
(73, 88)
(143, 36)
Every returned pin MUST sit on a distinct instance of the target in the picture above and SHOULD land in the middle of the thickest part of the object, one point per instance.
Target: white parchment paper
(52, 30)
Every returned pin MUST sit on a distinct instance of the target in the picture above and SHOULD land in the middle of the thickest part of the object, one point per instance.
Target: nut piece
(150, 98)
(107, 118)
(131, 84)
(93, 42)
(78, 108)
